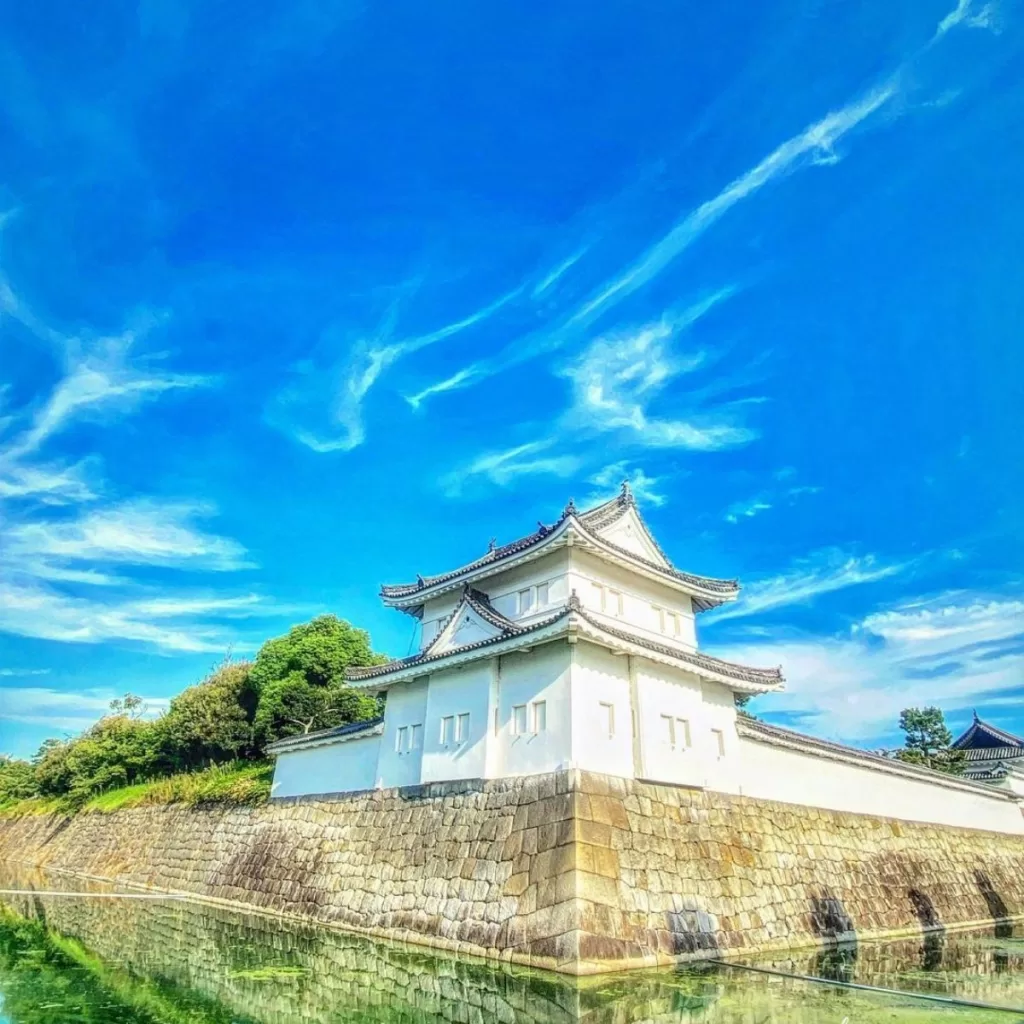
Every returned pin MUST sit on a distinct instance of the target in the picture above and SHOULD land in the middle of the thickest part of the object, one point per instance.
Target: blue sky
(296, 298)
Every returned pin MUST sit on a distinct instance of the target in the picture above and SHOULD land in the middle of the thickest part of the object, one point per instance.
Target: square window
(401, 738)
(526, 598)
(540, 715)
(683, 732)
(607, 718)
(718, 739)
(447, 728)
(415, 737)
(519, 719)
(668, 731)
(462, 728)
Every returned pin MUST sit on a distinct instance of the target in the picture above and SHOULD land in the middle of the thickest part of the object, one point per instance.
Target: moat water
(105, 959)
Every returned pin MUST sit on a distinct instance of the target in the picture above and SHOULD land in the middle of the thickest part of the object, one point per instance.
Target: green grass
(241, 782)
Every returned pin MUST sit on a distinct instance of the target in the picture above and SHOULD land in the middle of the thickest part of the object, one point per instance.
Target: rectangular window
(519, 719)
(682, 733)
(607, 718)
(668, 731)
(462, 728)
(659, 617)
(447, 727)
(615, 603)
(401, 738)
(599, 596)
(672, 624)
(415, 737)
(540, 715)
(543, 594)
(526, 599)
(718, 741)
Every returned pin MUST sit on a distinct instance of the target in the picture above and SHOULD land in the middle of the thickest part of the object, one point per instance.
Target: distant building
(993, 756)
(575, 647)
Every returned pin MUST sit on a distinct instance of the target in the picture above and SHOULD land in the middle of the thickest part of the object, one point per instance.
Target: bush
(17, 780)
(211, 721)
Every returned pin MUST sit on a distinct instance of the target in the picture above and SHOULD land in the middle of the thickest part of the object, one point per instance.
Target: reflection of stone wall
(575, 871)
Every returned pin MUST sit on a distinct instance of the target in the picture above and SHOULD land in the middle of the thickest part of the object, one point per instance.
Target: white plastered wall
(406, 706)
(450, 693)
(640, 599)
(602, 727)
(771, 772)
(522, 679)
(339, 767)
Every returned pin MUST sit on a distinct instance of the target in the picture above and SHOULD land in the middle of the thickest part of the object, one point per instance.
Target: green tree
(300, 679)
(118, 750)
(17, 779)
(293, 706)
(927, 741)
(211, 721)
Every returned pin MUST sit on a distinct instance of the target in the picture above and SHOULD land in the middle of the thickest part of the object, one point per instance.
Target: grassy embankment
(241, 782)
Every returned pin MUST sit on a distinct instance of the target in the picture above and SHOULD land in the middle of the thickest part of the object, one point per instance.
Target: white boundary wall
(772, 772)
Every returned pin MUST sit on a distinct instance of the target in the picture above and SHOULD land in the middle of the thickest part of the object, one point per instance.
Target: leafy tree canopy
(17, 779)
(320, 649)
(293, 706)
(211, 722)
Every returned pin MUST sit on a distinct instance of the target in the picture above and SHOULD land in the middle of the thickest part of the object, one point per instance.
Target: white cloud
(608, 480)
(747, 509)
(64, 710)
(504, 467)
(618, 376)
(20, 672)
(30, 608)
(323, 408)
(99, 378)
(549, 280)
(51, 484)
(457, 380)
(953, 651)
(139, 532)
(822, 573)
(968, 14)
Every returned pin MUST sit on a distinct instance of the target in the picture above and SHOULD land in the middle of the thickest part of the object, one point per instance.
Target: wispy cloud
(33, 609)
(618, 377)
(747, 509)
(765, 500)
(141, 532)
(821, 573)
(322, 408)
(954, 651)
(63, 709)
(504, 467)
(608, 480)
(21, 672)
(967, 14)
(452, 383)
(549, 280)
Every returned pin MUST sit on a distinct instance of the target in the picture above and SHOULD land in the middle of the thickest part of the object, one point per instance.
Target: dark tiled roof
(982, 735)
(704, 662)
(755, 728)
(991, 753)
(589, 522)
(350, 729)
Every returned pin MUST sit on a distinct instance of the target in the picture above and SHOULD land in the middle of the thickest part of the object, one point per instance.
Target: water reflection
(124, 961)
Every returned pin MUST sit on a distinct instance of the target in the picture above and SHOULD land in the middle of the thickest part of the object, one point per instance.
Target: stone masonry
(571, 871)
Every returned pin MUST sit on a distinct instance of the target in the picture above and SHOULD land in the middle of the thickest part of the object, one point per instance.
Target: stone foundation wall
(572, 871)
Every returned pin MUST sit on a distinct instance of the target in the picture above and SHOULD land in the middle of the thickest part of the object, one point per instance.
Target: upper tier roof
(590, 526)
(982, 736)
(570, 620)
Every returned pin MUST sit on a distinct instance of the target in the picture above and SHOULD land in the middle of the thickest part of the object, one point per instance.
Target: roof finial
(570, 509)
(492, 545)
(420, 581)
(974, 711)
(541, 528)
(575, 604)
(626, 493)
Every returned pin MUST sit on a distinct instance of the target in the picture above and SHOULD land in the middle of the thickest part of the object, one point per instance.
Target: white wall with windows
(455, 721)
(602, 719)
(625, 598)
(532, 722)
(401, 748)
(670, 710)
